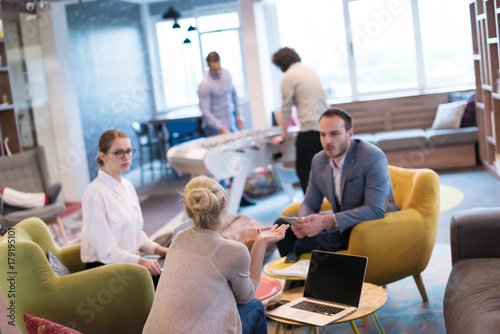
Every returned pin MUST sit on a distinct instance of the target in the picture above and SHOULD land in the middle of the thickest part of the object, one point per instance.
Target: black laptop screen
(335, 277)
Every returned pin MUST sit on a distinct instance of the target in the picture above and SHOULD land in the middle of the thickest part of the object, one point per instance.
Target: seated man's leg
(253, 317)
(327, 240)
(287, 244)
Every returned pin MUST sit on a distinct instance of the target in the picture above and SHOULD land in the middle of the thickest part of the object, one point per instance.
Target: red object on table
(268, 287)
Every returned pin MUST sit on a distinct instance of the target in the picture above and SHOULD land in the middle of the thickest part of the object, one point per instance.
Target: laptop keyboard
(318, 308)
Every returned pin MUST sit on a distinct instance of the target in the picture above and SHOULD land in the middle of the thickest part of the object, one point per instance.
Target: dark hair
(106, 141)
(285, 57)
(342, 114)
(213, 57)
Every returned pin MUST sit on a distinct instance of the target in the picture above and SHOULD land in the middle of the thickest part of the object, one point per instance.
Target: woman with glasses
(112, 217)
(209, 282)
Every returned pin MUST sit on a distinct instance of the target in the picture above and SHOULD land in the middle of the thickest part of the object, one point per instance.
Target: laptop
(332, 290)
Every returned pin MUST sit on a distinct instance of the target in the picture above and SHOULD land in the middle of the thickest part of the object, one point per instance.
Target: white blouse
(112, 223)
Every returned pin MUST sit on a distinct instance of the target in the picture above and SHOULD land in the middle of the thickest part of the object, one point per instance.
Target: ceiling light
(171, 14)
(191, 28)
(187, 41)
(30, 6)
(176, 25)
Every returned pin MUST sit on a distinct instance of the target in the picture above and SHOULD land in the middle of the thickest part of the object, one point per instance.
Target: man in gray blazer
(353, 175)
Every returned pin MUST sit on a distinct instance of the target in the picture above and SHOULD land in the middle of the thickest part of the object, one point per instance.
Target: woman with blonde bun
(208, 283)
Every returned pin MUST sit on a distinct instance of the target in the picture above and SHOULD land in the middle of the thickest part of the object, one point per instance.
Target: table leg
(377, 323)
(278, 328)
(366, 322)
(353, 326)
(287, 187)
(237, 187)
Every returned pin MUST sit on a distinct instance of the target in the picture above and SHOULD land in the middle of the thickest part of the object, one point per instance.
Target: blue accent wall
(111, 70)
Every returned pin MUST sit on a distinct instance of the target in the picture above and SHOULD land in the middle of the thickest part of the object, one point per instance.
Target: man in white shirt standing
(301, 87)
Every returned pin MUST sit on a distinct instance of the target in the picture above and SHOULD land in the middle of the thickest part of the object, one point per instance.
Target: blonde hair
(106, 141)
(204, 201)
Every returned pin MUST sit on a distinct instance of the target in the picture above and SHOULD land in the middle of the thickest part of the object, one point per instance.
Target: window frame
(160, 100)
(420, 86)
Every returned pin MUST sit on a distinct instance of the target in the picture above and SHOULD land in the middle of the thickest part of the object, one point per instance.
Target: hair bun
(201, 200)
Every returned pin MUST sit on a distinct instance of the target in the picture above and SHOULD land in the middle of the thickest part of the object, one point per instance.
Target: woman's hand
(275, 234)
(162, 251)
(249, 233)
(151, 265)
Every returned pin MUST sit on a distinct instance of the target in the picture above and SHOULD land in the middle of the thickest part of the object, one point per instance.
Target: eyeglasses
(121, 154)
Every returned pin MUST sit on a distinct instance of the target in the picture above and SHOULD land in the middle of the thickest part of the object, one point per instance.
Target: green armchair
(109, 299)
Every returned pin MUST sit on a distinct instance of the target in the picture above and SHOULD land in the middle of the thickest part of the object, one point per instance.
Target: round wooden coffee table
(372, 298)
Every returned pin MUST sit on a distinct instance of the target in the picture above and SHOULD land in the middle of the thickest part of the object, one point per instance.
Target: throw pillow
(469, 117)
(56, 265)
(35, 325)
(24, 200)
(449, 115)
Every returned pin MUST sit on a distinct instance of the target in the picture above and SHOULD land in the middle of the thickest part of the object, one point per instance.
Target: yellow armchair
(109, 299)
(401, 243)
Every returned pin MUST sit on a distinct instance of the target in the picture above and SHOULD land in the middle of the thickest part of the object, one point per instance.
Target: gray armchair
(472, 296)
(28, 172)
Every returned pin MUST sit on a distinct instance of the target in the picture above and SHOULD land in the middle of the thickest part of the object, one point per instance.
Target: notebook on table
(332, 290)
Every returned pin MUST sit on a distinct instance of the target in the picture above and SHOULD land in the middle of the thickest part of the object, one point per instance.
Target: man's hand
(239, 121)
(313, 224)
(297, 230)
(224, 131)
(278, 140)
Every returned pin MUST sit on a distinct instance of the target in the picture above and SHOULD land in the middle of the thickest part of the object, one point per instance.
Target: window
(446, 42)
(182, 65)
(383, 45)
(368, 47)
(181, 69)
(317, 33)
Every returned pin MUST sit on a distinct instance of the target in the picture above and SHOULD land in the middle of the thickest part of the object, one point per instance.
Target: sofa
(471, 301)
(435, 149)
(435, 130)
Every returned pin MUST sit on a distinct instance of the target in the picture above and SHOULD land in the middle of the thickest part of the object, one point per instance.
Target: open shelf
(485, 27)
(9, 127)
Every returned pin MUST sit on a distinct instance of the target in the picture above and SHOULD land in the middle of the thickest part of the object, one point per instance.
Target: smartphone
(275, 305)
(291, 258)
(151, 257)
(291, 219)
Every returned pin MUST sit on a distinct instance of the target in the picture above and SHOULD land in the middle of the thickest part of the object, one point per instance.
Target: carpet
(450, 197)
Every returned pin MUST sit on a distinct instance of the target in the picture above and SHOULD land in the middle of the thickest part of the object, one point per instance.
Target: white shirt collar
(340, 165)
(109, 180)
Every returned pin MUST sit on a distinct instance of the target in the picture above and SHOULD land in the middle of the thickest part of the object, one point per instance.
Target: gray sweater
(203, 278)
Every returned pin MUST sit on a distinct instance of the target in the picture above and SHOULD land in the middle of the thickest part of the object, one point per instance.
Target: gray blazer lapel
(327, 175)
(348, 164)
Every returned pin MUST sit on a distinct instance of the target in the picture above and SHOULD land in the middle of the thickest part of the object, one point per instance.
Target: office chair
(146, 140)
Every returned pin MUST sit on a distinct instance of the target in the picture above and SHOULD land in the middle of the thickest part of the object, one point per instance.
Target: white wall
(70, 162)
(259, 115)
